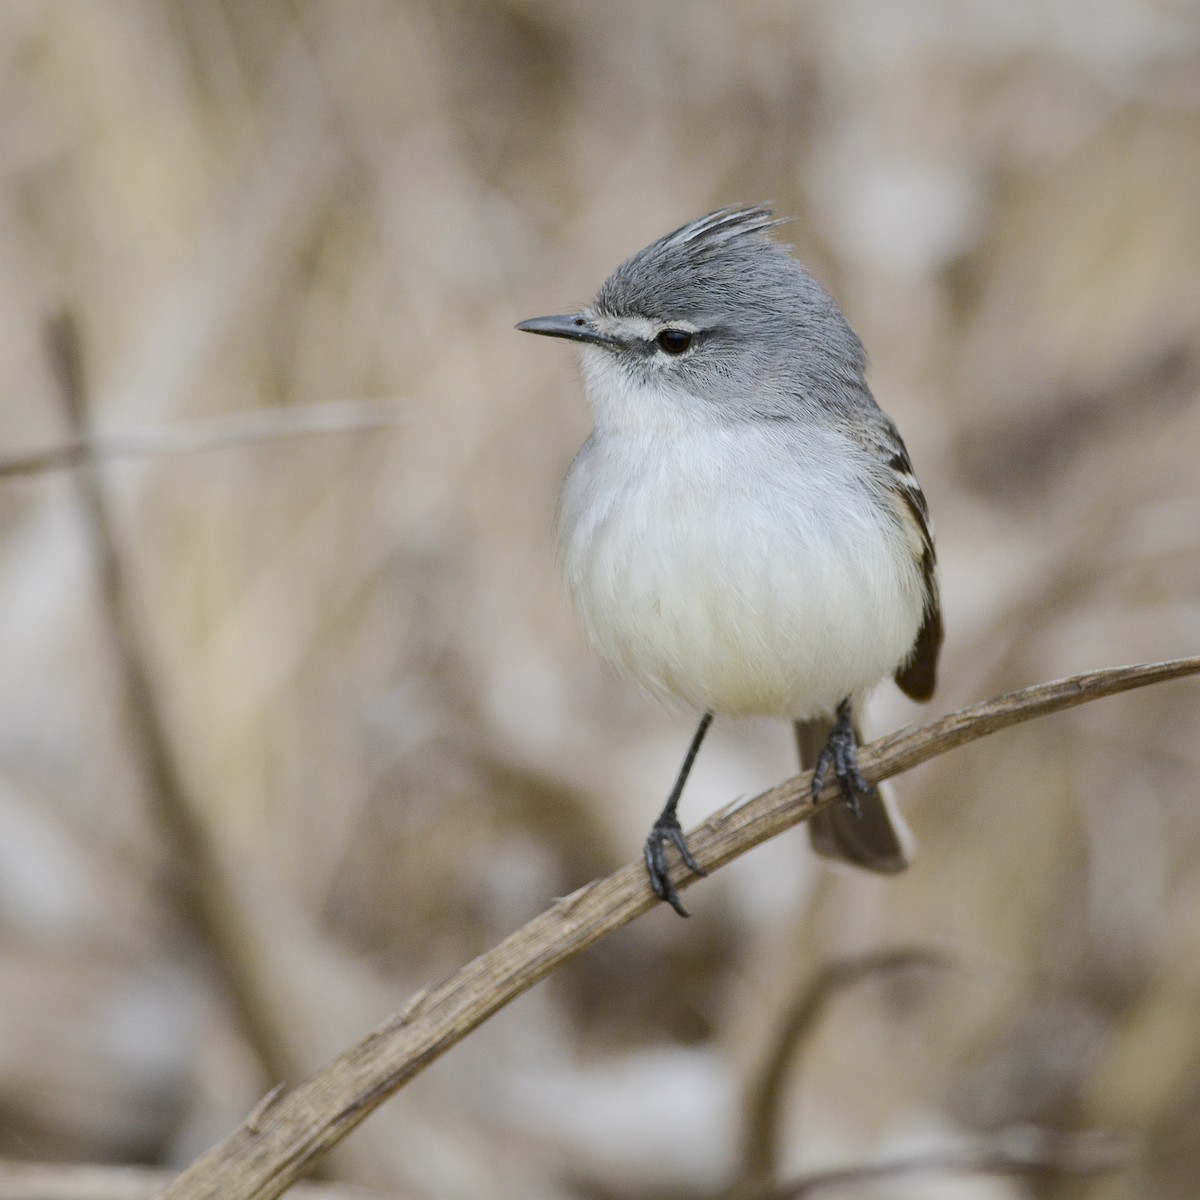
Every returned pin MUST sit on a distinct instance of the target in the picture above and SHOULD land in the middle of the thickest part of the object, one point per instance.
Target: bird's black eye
(674, 341)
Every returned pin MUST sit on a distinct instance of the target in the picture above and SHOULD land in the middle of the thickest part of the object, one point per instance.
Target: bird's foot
(841, 753)
(667, 829)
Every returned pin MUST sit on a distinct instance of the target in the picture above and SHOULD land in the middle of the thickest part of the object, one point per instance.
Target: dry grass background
(387, 724)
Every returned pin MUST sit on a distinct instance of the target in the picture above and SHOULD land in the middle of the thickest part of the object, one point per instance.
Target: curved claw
(667, 829)
(841, 753)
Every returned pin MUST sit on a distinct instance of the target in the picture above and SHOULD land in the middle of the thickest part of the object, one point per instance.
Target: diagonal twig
(197, 882)
(235, 429)
(91, 1181)
(1021, 1152)
(291, 1134)
(765, 1094)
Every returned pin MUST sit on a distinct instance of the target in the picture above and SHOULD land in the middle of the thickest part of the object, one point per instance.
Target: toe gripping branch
(841, 753)
(667, 829)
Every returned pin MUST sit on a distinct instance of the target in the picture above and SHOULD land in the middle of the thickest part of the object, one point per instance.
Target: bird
(742, 533)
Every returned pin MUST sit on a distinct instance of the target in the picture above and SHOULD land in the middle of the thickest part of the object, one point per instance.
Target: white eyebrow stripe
(642, 327)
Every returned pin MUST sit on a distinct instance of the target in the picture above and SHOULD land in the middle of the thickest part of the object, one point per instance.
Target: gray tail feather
(875, 838)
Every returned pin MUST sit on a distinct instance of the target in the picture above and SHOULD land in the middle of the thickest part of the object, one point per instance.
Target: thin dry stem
(73, 1181)
(197, 881)
(764, 1099)
(236, 429)
(1013, 1152)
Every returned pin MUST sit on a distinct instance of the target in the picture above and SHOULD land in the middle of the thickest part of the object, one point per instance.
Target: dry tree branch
(764, 1095)
(197, 880)
(340, 416)
(1021, 1151)
(265, 1156)
(74, 1181)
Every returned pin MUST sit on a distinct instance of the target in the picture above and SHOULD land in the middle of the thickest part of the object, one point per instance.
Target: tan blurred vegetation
(386, 726)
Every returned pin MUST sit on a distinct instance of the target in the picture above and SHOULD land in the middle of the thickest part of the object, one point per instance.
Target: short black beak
(576, 326)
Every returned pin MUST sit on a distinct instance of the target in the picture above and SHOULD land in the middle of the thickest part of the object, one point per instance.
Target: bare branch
(1019, 1151)
(306, 1121)
(269, 424)
(764, 1098)
(72, 1181)
(198, 883)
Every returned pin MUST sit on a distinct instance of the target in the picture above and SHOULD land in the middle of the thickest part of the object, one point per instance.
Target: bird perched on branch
(742, 531)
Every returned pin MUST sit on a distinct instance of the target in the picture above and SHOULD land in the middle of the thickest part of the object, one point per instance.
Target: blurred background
(293, 725)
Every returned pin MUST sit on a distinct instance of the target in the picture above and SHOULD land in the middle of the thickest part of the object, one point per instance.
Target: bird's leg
(841, 752)
(667, 829)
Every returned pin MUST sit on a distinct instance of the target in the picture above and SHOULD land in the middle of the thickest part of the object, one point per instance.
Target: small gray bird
(743, 531)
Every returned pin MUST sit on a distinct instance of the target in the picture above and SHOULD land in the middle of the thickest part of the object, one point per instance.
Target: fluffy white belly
(712, 569)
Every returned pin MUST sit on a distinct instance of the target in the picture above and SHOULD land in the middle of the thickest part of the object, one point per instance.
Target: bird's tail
(875, 837)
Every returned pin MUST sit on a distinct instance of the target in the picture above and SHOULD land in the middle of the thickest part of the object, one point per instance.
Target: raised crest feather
(724, 224)
(705, 260)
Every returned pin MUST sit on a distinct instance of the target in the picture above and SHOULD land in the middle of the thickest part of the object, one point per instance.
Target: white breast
(736, 569)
